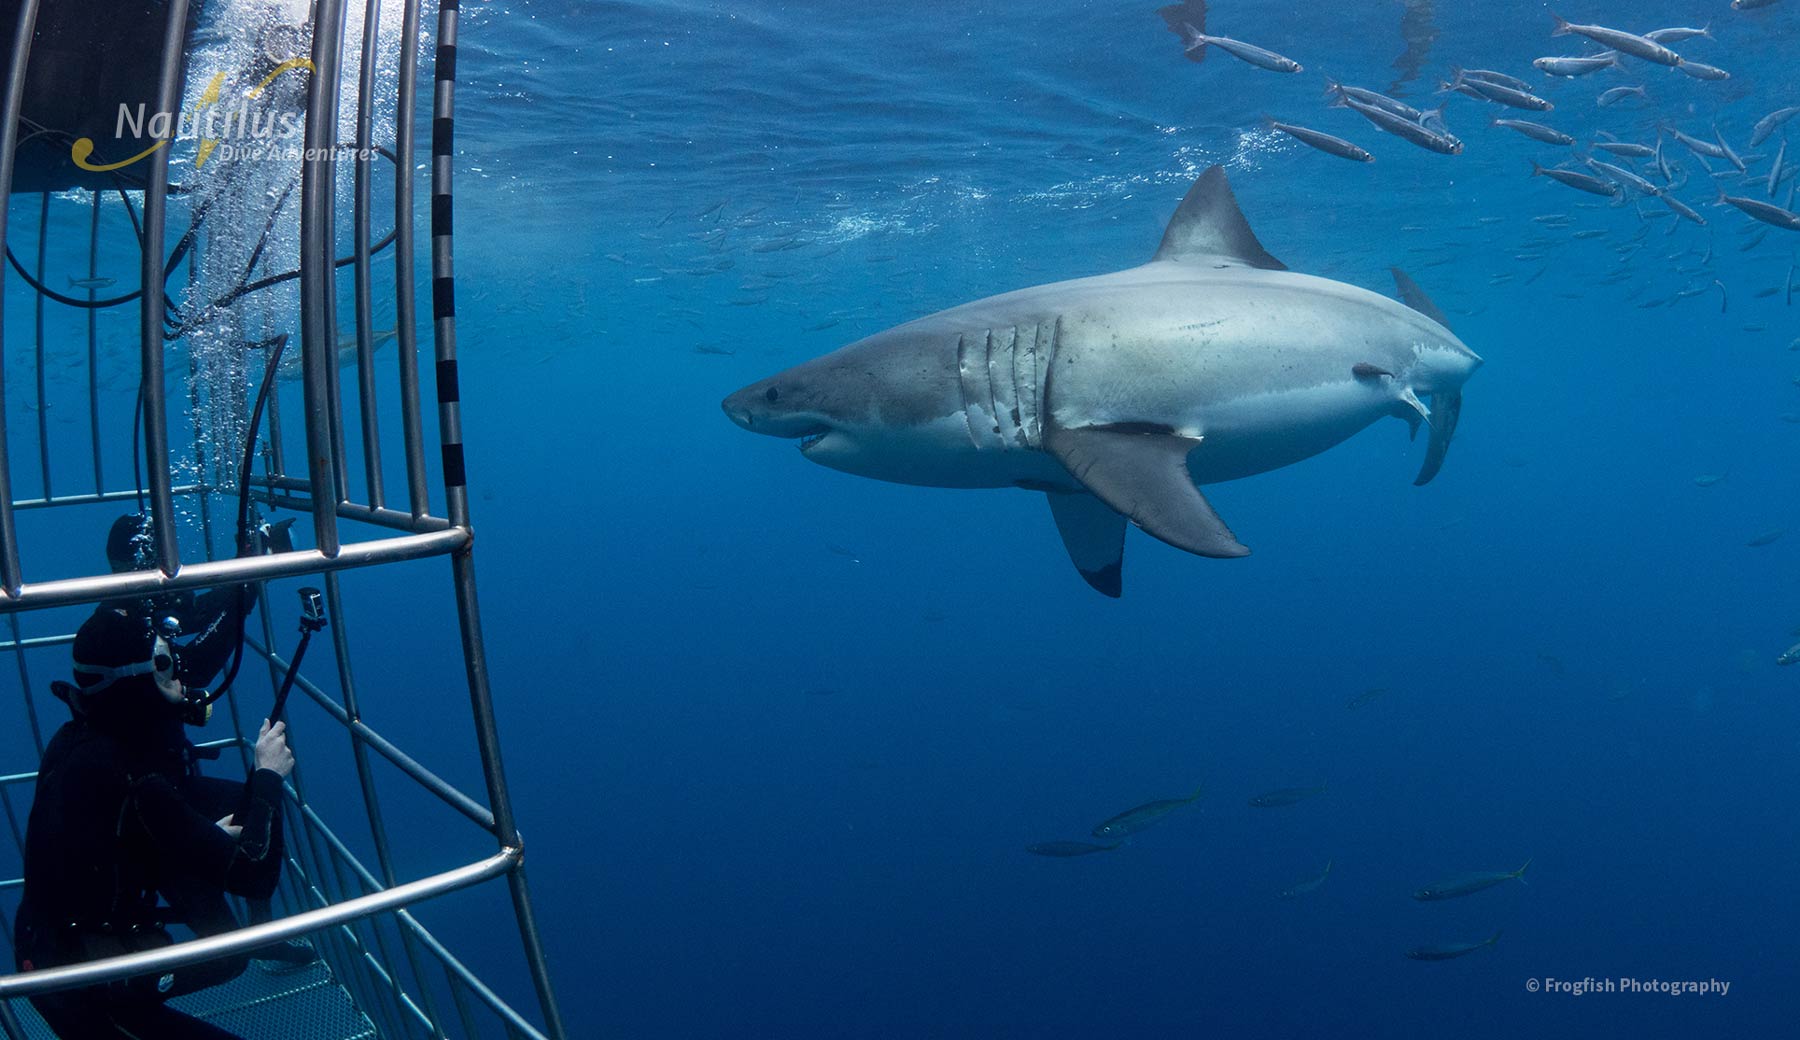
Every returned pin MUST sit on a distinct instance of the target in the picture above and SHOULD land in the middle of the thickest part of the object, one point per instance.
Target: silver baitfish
(1324, 142)
(1578, 181)
(1535, 131)
(1623, 42)
(1303, 887)
(1469, 884)
(1196, 43)
(1133, 820)
(1569, 68)
(1453, 950)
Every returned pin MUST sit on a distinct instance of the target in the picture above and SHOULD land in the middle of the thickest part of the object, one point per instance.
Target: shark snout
(760, 408)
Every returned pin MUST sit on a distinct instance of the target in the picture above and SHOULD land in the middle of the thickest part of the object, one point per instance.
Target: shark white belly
(1116, 394)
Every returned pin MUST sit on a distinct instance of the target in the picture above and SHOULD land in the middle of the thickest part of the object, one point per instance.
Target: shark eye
(771, 395)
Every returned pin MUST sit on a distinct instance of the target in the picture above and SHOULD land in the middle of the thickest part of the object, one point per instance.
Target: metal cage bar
(151, 389)
(358, 916)
(18, 60)
(318, 274)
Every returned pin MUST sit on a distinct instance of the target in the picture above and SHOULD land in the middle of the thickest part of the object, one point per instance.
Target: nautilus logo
(244, 128)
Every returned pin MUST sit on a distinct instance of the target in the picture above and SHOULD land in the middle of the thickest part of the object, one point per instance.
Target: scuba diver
(122, 814)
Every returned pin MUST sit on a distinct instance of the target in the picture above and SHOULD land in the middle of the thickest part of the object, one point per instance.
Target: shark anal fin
(1414, 297)
(1094, 535)
(1446, 409)
(1144, 476)
(1208, 226)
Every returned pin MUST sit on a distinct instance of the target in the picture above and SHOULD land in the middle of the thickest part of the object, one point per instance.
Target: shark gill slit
(1024, 377)
(962, 385)
(993, 399)
(1005, 389)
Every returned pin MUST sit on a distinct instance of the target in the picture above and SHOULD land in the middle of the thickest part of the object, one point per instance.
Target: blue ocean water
(795, 729)
(779, 737)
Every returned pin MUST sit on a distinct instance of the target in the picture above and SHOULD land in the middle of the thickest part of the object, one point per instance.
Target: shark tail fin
(1492, 939)
(1520, 873)
(1446, 410)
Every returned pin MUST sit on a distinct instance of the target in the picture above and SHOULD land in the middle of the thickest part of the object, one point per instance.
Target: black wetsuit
(121, 816)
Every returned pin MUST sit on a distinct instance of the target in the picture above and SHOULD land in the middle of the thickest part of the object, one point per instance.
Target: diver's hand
(272, 751)
(230, 828)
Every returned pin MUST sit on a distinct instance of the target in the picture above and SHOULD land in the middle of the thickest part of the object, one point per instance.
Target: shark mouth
(810, 439)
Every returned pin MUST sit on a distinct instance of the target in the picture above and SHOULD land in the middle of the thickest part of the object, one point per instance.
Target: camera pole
(312, 619)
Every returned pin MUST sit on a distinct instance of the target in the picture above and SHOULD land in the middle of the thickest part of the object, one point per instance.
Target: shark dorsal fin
(1414, 297)
(1208, 227)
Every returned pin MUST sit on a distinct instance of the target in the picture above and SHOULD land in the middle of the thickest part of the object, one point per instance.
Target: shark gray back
(1118, 395)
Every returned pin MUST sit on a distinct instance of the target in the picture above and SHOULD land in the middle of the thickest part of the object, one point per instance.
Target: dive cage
(382, 973)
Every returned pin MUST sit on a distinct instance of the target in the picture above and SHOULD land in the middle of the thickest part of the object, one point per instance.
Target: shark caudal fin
(1094, 535)
(1446, 410)
(1446, 406)
(1143, 475)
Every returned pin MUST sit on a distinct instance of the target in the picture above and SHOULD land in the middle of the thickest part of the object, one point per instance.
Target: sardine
(1578, 181)
(1702, 71)
(1628, 149)
(1769, 537)
(1310, 884)
(1569, 68)
(1681, 208)
(1624, 176)
(1775, 170)
(1789, 656)
(1725, 149)
(1365, 697)
(1499, 92)
(1694, 144)
(1609, 98)
(1768, 124)
(1491, 76)
(101, 282)
(1444, 953)
(1370, 97)
(1763, 211)
(1195, 43)
(1677, 34)
(1623, 42)
(1535, 131)
(1324, 142)
(1133, 820)
(1418, 133)
(1468, 884)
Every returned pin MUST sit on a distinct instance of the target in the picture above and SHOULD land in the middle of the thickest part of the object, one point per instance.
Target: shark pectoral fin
(1145, 477)
(1094, 536)
(1446, 410)
(1209, 227)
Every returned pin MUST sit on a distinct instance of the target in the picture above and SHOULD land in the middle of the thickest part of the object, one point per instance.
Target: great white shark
(1117, 395)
